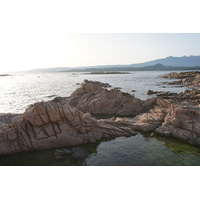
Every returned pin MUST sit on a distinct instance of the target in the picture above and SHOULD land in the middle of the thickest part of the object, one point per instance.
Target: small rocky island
(69, 121)
(105, 72)
(5, 75)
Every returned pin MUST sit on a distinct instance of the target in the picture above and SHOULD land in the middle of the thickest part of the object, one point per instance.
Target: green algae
(139, 150)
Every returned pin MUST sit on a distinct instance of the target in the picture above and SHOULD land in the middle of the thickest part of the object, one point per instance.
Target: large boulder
(150, 120)
(182, 122)
(55, 124)
(93, 98)
(189, 79)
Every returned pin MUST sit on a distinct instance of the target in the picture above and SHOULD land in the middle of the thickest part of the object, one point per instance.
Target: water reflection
(143, 150)
(139, 150)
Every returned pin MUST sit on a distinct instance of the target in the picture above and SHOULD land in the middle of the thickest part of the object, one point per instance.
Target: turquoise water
(139, 150)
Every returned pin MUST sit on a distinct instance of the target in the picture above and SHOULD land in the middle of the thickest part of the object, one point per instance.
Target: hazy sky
(29, 51)
(38, 34)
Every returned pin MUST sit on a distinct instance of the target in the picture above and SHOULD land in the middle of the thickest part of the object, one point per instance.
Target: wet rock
(79, 153)
(59, 157)
(7, 117)
(173, 82)
(162, 86)
(152, 134)
(168, 95)
(117, 88)
(177, 86)
(59, 154)
(152, 92)
(59, 151)
(67, 151)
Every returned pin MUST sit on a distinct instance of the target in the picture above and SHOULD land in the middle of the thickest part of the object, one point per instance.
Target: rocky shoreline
(68, 121)
(5, 75)
(188, 79)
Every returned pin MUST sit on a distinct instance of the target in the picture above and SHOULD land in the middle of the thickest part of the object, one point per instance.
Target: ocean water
(21, 90)
(17, 92)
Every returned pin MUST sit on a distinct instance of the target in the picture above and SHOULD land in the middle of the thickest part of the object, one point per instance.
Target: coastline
(159, 107)
(5, 75)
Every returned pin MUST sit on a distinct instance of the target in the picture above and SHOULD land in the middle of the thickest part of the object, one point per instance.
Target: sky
(30, 51)
(45, 34)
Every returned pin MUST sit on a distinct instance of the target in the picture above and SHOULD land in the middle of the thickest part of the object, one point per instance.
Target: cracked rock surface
(67, 122)
(93, 98)
(182, 122)
(53, 124)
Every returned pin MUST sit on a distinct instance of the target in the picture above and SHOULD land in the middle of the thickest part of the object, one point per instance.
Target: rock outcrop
(148, 121)
(189, 79)
(152, 92)
(192, 96)
(92, 98)
(55, 124)
(182, 122)
(77, 153)
(67, 121)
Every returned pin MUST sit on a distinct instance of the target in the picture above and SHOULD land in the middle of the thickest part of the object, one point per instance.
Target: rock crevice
(67, 121)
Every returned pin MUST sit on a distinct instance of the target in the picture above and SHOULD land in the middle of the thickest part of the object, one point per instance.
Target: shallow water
(139, 150)
(21, 90)
(143, 150)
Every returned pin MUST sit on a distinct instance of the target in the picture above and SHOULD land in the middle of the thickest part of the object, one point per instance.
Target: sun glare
(25, 52)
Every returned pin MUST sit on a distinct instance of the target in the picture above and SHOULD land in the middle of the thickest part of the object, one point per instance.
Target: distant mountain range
(185, 61)
(168, 63)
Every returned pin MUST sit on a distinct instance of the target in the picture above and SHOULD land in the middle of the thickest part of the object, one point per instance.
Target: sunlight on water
(21, 90)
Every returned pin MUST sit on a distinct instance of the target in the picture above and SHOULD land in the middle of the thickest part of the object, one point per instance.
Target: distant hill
(185, 61)
(168, 63)
(55, 69)
(157, 67)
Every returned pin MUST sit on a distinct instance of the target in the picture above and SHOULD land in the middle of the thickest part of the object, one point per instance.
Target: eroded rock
(152, 92)
(67, 122)
(182, 122)
(92, 98)
(189, 79)
(148, 121)
(79, 153)
(55, 125)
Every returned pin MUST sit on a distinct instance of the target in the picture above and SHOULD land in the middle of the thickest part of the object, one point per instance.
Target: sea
(20, 90)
